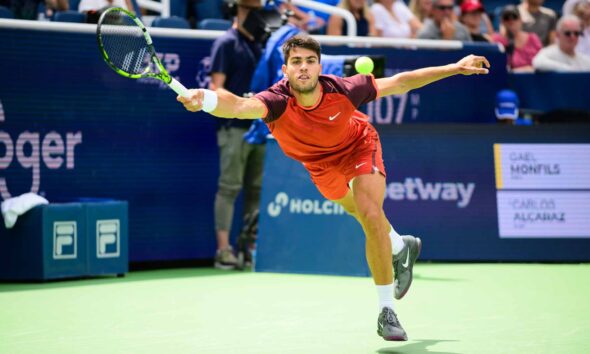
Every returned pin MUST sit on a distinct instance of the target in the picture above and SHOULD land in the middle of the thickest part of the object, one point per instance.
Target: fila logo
(65, 237)
(108, 235)
(334, 116)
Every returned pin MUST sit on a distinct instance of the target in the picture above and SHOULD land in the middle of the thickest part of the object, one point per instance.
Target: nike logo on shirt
(359, 165)
(334, 116)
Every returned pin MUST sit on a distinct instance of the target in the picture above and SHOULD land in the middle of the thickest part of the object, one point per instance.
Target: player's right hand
(194, 101)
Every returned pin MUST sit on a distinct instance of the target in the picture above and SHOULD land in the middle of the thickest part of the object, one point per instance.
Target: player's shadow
(418, 346)
(427, 278)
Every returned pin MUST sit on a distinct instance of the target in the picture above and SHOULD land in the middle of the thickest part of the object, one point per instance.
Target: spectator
(94, 8)
(87, 6)
(472, 12)
(234, 57)
(442, 25)
(422, 9)
(568, 7)
(582, 10)
(538, 19)
(28, 9)
(521, 47)
(306, 19)
(507, 109)
(393, 19)
(365, 23)
(562, 56)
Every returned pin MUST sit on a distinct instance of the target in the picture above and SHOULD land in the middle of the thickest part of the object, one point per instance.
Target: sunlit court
(294, 176)
(452, 308)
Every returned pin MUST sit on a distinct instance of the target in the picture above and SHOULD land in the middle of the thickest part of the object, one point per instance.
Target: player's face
(303, 70)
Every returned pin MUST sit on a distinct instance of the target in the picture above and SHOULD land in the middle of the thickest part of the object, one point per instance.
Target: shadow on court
(426, 278)
(134, 276)
(416, 347)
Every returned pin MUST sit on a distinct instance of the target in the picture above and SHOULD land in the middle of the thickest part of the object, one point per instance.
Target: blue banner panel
(551, 91)
(440, 186)
(70, 127)
(299, 230)
(459, 99)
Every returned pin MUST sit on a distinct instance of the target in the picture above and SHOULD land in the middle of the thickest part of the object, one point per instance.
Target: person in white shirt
(393, 19)
(95, 5)
(568, 6)
(563, 56)
(582, 10)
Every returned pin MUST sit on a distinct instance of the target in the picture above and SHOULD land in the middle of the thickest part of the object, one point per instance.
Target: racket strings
(124, 43)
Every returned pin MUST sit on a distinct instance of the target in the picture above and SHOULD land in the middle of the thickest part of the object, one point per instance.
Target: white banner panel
(542, 166)
(533, 214)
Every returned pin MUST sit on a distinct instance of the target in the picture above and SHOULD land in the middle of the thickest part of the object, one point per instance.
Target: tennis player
(315, 120)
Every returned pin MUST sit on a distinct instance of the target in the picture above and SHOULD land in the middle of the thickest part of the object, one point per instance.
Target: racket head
(126, 46)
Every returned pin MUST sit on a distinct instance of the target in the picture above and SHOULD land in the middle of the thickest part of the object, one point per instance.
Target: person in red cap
(474, 17)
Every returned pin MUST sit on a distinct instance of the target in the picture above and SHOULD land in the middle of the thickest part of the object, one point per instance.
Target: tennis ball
(364, 65)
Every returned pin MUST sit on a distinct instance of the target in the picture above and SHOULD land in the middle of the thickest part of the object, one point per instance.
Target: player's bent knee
(371, 217)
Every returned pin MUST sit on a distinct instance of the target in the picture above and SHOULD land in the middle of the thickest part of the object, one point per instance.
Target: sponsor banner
(542, 166)
(441, 187)
(528, 214)
(414, 188)
(284, 204)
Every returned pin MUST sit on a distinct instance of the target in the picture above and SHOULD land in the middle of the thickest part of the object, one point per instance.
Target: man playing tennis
(315, 120)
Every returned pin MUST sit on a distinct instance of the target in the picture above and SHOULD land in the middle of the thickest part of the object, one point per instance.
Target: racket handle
(178, 88)
(209, 99)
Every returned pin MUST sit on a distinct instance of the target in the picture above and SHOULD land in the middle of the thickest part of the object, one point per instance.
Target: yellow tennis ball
(364, 65)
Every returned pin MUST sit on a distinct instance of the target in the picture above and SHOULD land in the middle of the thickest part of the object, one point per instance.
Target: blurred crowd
(534, 36)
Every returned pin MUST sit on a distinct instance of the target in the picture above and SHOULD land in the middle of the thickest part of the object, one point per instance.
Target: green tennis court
(451, 308)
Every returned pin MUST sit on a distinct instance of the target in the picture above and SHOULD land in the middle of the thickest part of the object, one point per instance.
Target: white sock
(397, 242)
(385, 293)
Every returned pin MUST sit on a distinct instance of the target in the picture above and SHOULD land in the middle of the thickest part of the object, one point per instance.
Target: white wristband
(209, 100)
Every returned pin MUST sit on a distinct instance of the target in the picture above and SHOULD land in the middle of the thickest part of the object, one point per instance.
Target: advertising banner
(441, 186)
(543, 190)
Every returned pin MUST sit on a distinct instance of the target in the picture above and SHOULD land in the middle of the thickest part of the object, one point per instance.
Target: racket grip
(178, 88)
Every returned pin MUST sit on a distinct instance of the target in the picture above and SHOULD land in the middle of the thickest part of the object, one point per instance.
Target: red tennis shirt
(325, 131)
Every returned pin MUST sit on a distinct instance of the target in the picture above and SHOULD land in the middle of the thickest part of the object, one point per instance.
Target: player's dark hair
(301, 41)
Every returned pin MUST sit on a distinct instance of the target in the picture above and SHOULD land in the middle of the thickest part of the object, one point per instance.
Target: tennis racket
(127, 48)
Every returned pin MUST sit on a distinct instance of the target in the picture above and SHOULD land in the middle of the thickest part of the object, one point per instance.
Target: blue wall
(130, 140)
(301, 232)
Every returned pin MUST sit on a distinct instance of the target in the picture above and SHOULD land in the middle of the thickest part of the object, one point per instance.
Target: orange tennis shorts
(331, 178)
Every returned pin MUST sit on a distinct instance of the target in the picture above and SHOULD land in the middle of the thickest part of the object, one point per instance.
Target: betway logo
(31, 149)
(282, 202)
(414, 189)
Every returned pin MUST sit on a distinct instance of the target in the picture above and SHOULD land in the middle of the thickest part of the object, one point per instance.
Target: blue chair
(215, 24)
(171, 22)
(74, 4)
(5, 12)
(69, 16)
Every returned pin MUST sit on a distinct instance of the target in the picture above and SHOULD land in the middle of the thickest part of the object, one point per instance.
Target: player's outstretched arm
(223, 104)
(409, 80)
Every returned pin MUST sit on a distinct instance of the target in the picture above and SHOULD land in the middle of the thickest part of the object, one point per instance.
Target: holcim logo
(31, 149)
(282, 203)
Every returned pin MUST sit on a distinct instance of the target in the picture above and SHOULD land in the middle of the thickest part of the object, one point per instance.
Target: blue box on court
(68, 240)
(107, 236)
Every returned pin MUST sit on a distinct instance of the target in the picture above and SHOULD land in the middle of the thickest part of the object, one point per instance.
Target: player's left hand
(473, 64)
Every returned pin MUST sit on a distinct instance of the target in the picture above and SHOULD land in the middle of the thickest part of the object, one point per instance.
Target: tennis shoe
(225, 259)
(388, 326)
(403, 264)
